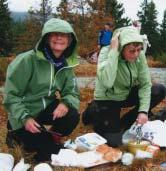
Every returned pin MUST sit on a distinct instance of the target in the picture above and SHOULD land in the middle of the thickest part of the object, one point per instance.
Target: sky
(131, 6)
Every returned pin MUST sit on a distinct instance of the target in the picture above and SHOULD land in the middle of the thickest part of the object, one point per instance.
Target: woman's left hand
(142, 118)
(60, 111)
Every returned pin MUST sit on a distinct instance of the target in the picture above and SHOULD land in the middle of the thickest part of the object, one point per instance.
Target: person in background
(137, 25)
(105, 35)
(146, 42)
(123, 80)
(41, 89)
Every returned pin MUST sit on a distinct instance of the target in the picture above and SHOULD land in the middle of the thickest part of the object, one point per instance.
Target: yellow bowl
(133, 146)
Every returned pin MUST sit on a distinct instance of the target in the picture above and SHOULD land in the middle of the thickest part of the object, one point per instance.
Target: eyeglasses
(59, 34)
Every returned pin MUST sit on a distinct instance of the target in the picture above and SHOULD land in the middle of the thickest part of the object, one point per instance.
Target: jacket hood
(128, 35)
(57, 25)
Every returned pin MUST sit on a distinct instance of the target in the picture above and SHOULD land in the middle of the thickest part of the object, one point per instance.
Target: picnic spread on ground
(90, 150)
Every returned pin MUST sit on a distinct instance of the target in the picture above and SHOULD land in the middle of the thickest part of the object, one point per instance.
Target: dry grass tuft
(155, 63)
(86, 70)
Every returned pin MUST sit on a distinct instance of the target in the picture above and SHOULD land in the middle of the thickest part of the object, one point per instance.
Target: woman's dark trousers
(104, 115)
(44, 142)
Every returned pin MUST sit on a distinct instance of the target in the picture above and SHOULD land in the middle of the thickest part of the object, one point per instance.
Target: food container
(133, 146)
(89, 141)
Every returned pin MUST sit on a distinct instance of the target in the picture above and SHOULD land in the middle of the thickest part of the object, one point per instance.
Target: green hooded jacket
(32, 82)
(116, 77)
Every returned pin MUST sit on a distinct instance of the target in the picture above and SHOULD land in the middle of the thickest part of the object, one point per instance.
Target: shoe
(162, 115)
(113, 139)
(44, 155)
(158, 116)
(12, 140)
(38, 158)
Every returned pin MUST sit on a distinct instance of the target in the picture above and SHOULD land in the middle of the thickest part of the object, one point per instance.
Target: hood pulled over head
(128, 35)
(61, 26)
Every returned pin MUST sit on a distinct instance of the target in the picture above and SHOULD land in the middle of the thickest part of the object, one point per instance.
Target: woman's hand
(142, 118)
(32, 126)
(115, 41)
(60, 111)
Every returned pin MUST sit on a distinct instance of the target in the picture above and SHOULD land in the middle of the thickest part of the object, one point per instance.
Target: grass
(157, 63)
(86, 96)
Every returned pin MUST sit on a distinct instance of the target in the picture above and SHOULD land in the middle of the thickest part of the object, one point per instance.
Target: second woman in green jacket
(123, 80)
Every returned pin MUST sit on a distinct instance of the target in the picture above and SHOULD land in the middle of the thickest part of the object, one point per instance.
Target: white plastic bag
(6, 162)
(153, 131)
(127, 136)
(67, 157)
(42, 167)
(21, 166)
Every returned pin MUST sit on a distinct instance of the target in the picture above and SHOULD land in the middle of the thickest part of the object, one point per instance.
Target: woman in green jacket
(41, 89)
(123, 80)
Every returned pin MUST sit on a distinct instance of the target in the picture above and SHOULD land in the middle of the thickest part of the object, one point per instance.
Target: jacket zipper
(130, 76)
(51, 79)
(44, 102)
(52, 76)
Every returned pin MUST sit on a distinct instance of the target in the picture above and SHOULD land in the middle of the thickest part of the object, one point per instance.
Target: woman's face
(58, 42)
(131, 52)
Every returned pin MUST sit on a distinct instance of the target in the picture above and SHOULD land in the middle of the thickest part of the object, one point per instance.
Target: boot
(12, 140)
(113, 139)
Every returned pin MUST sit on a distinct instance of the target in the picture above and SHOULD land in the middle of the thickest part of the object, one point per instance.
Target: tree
(19, 28)
(69, 9)
(33, 25)
(148, 19)
(163, 33)
(43, 13)
(5, 29)
(116, 10)
(28, 39)
(90, 16)
(74, 12)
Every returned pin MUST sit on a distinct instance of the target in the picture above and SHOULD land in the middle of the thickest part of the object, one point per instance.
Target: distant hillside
(19, 15)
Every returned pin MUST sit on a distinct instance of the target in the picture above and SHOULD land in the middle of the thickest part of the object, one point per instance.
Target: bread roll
(113, 155)
(103, 148)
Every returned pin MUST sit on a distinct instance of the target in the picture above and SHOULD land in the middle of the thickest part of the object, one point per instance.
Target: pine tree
(43, 13)
(5, 29)
(116, 10)
(74, 12)
(63, 10)
(89, 17)
(163, 33)
(148, 19)
(33, 26)
(28, 39)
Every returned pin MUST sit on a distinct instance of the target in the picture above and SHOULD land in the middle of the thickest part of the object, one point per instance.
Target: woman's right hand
(32, 126)
(115, 41)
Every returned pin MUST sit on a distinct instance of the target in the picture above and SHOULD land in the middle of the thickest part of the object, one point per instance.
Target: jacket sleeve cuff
(65, 102)
(143, 112)
(25, 119)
